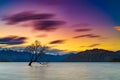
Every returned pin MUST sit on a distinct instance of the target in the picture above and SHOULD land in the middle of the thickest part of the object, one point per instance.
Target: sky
(70, 25)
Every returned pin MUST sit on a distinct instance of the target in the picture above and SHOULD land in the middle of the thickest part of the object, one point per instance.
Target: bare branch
(36, 49)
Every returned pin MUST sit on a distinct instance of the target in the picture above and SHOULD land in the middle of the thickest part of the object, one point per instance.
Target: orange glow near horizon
(70, 44)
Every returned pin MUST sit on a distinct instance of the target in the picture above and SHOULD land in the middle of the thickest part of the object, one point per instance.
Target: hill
(95, 55)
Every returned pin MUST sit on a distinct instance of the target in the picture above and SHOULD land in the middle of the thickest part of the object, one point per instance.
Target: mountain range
(94, 55)
(7, 55)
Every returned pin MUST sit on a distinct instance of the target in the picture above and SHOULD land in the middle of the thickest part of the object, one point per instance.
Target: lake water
(60, 71)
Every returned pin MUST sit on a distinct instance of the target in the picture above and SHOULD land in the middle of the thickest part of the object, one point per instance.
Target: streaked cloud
(57, 42)
(93, 45)
(88, 36)
(40, 21)
(47, 25)
(26, 16)
(12, 40)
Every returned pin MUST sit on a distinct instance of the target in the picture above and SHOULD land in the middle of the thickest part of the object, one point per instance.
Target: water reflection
(53, 72)
(37, 72)
(60, 71)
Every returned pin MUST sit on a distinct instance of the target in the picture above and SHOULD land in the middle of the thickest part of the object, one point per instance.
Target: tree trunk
(30, 63)
(33, 59)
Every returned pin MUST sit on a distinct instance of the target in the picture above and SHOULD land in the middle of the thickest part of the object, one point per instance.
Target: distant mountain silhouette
(118, 52)
(95, 55)
(15, 56)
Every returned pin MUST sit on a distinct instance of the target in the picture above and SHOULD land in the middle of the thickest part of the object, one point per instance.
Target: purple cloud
(26, 16)
(88, 36)
(12, 40)
(40, 20)
(48, 25)
(57, 42)
(83, 30)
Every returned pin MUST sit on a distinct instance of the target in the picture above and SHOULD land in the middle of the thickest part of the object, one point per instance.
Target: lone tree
(36, 50)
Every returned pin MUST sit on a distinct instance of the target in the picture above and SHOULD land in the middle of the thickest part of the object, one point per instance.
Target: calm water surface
(60, 71)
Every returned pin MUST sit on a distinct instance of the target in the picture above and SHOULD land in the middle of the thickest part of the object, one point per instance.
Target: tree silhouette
(36, 50)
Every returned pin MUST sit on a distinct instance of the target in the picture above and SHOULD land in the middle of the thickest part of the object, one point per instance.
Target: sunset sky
(72, 25)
